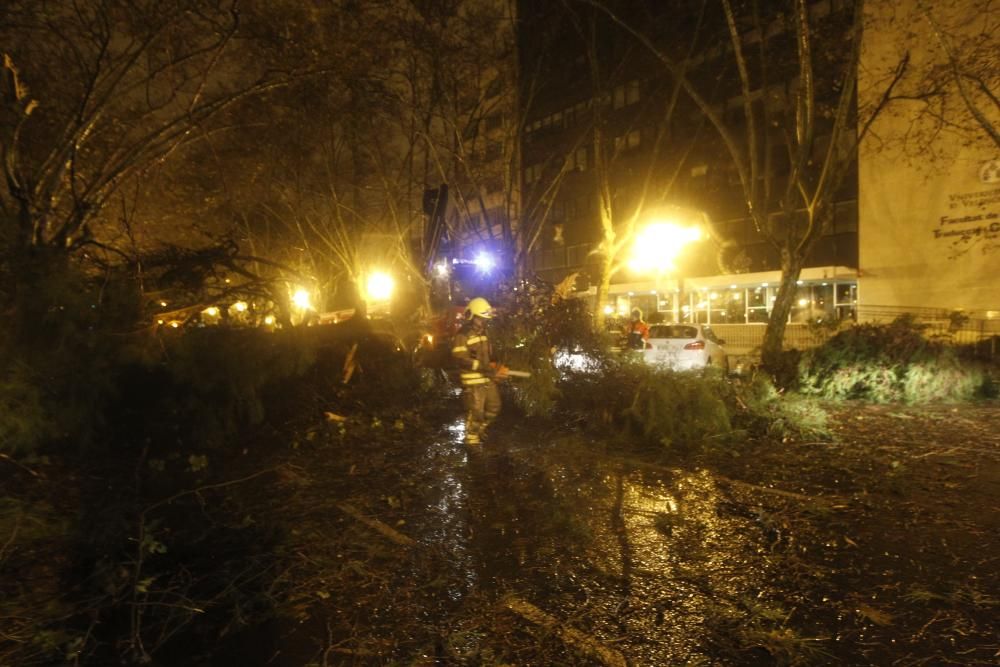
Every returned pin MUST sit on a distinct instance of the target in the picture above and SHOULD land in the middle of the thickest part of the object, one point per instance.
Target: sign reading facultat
(972, 223)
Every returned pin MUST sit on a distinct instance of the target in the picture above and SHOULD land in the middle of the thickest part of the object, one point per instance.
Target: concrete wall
(929, 196)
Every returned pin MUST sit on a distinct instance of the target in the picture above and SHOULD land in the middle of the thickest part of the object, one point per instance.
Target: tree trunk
(774, 335)
(603, 288)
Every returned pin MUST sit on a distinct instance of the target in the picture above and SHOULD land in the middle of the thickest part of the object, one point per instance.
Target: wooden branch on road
(571, 637)
(776, 492)
(386, 531)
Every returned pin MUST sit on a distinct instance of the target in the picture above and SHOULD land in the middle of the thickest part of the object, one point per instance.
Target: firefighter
(638, 331)
(479, 375)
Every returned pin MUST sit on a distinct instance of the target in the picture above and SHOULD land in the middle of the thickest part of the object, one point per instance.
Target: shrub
(679, 410)
(216, 378)
(683, 411)
(888, 363)
(23, 418)
(536, 321)
(762, 409)
(944, 378)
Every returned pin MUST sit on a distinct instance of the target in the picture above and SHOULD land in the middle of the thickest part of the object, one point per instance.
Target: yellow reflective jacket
(472, 353)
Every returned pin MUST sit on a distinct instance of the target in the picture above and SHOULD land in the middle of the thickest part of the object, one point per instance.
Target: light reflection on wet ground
(666, 566)
(633, 557)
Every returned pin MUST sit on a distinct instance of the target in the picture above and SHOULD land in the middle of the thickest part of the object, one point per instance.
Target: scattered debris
(376, 525)
(580, 641)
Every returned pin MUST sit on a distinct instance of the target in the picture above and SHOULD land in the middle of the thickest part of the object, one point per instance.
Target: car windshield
(672, 331)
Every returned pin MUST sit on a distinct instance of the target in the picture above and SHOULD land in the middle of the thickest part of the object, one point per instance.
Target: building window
(628, 141)
(626, 94)
(846, 300)
(575, 114)
(553, 258)
(532, 173)
(665, 304)
(577, 255)
(758, 304)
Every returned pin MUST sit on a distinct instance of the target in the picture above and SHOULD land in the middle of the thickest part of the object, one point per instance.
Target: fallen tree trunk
(376, 525)
(575, 639)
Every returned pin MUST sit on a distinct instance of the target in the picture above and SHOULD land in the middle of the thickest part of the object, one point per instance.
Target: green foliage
(683, 411)
(216, 377)
(535, 322)
(76, 372)
(679, 410)
(766, 410)
(58, 353)
(889, 363)
(23, 418)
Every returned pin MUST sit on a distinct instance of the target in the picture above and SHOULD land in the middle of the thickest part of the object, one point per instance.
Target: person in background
(472, 351)
(637, 332)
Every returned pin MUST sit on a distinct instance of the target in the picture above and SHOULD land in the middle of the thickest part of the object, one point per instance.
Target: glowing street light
(301, 299)
(658, 245)
(441, 269)
(240, 306)
(380, 286)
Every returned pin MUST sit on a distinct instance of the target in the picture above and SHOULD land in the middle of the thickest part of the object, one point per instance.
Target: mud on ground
(878, 546)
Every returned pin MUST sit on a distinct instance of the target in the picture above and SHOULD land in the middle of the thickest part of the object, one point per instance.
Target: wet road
(542, 548)
(636, 558)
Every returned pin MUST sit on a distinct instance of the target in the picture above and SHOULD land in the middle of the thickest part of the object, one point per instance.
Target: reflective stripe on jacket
(472, 352)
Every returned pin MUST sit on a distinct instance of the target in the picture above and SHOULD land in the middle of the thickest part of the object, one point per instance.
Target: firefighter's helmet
(478, 307)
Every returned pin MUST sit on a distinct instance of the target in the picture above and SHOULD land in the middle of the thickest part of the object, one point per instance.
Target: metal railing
(978, 333)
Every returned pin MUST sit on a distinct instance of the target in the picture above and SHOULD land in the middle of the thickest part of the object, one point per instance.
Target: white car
(683, 347)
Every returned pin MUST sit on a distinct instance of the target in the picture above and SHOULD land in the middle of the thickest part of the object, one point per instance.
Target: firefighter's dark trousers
(482, 405)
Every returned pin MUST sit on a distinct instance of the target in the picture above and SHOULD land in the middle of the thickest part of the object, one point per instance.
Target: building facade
(587, 79)
(930, 171)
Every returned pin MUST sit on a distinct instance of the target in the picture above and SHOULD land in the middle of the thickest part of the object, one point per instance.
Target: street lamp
(658, 245)
(380, 286)
(301, 299)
